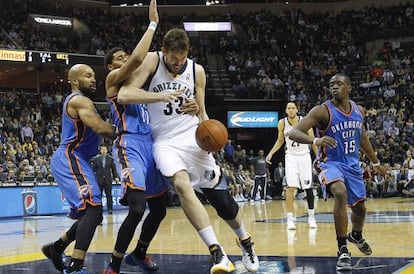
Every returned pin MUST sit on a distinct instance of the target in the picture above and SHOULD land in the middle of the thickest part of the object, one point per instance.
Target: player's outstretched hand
(381, 170)
(153, 13)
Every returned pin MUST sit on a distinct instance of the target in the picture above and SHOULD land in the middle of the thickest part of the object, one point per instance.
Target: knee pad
(157, 207)
(94, 214)
(137, 203)
(223, 202)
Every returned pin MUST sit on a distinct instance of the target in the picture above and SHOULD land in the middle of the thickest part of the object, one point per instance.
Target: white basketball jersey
(166, 119)
(292, 147)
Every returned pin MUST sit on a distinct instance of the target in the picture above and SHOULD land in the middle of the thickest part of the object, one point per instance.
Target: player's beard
(88, 92)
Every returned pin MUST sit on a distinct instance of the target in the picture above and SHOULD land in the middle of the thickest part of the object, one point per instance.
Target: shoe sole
(128, 262)
(222, 271)
(344, 268)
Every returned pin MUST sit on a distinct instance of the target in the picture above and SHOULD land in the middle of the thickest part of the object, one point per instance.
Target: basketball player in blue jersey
(70, 164)
(298, 164)
(170, 72)
(132, 150)
(341, 135)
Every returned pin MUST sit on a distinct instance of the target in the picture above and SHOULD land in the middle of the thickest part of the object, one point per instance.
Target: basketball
(211, 135)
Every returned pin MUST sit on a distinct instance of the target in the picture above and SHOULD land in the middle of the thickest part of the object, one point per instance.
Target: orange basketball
(211, 135)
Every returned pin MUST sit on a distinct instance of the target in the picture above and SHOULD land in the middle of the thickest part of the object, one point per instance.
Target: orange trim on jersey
(157, 195)
(123, 159)
(132, 186)
(76, 178)
(121, 117)
(346, 114)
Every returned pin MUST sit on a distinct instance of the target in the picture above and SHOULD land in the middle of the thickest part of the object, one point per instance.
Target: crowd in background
(290, 55)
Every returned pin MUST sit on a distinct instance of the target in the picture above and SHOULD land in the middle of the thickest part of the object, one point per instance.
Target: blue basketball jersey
(346, 129)
(70, 163)
(132, 118)
(76, 136)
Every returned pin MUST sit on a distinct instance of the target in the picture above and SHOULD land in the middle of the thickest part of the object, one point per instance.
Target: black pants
(107, 187)
(259, 181)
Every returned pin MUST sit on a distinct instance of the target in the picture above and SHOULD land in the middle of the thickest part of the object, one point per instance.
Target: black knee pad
(94, 214)
(137, 203)
(157, 206)
(223, 202)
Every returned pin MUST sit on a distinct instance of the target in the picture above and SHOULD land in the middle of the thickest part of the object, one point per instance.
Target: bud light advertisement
(252, 119)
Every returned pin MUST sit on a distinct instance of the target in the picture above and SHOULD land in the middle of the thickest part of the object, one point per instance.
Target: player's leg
(61, 171)
(136, 202)
(338, 190)
(132, 170)
(157, 212)
(84, 234)
(356, 197)
(54, 251)
(292, 181)
(198, 217)
(84, 198)
(228, 210)
(305, 175)
(169, 158)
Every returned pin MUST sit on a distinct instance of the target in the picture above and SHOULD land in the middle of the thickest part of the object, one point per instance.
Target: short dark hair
(347, 79)
(109, 57)
(176, 40)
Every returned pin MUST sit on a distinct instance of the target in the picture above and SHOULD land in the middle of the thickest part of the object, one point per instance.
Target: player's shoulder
(79, 100)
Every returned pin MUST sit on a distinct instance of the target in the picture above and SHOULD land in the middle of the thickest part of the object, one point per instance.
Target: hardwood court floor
(177, 248)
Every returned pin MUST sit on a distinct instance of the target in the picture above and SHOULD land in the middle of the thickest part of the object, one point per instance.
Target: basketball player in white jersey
(175, 149)
(298, 165)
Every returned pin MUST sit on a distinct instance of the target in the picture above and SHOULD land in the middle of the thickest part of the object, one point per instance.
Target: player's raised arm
(117, 76)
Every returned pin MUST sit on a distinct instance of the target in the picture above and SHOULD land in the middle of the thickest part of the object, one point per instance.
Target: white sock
(208, 236)
(290, 215)
(311, 212)
(241, 232)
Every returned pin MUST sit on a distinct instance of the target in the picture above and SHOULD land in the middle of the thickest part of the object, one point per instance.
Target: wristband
(152, 25)
(376, 164)
(314, 141)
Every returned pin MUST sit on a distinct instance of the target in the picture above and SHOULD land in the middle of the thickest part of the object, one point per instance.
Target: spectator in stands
(26, 133)
(238, 156)
(389, 94)
(388, 76)
(12, 177)
(229, 151)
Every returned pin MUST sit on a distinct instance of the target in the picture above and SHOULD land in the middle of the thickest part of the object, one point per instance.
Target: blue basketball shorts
(76, 180)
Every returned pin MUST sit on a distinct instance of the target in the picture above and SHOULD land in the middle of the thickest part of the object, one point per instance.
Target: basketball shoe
(312, 222)
(361, 244)
(249, 257)
(56, 257)
(221, 263)
(145, 264)
(344, 259)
